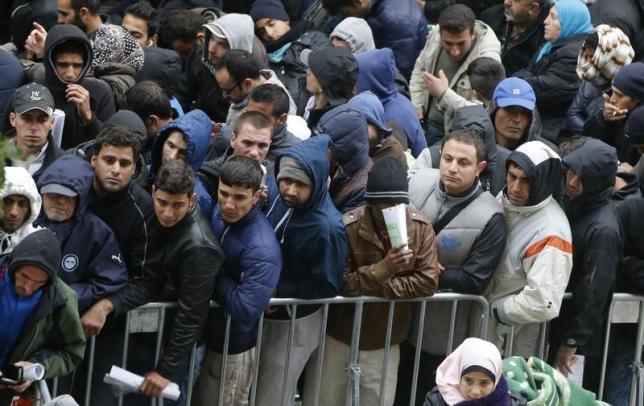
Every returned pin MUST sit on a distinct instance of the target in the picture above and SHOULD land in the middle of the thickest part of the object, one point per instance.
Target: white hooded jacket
(19, 182)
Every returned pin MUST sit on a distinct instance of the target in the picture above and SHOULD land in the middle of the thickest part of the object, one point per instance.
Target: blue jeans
(619, 373)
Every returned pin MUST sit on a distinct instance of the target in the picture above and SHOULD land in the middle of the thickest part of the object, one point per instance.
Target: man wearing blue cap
(515, 101)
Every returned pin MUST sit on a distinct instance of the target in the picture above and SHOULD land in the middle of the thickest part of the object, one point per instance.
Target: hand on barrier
(153, 384)
(93, 319)
(399, 259)
(565, 358)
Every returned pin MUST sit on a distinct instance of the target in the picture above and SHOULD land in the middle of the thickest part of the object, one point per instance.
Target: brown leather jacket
(367, 274)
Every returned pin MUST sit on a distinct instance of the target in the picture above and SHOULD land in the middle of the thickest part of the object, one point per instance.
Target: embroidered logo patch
(70, 262)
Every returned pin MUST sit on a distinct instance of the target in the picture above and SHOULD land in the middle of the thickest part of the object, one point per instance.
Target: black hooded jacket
(101, 97)
(631, 269)
(597, 241)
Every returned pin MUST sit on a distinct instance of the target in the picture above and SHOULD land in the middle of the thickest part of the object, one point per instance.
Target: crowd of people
(198, 151)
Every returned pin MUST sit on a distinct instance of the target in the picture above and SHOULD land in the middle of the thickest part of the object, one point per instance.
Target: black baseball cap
(33, 96)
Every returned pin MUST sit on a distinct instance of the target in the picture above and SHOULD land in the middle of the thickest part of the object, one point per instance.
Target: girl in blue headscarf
(567, 18)
(552, 73)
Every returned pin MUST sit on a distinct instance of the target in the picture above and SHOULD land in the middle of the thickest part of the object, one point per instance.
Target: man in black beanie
(377, 266)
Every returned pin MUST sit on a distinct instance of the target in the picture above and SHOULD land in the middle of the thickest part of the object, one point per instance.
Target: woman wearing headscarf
(118, 57)
(605, 51)
(472, 376)
(552, 73)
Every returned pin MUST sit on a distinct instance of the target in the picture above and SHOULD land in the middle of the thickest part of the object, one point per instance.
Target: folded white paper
(125, 381)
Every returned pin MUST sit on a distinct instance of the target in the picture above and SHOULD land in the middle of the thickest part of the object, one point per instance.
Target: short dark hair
(240, 65)
(175, 176)
(241, 171)
(72, 46)
(333, 6)
(271, 93)
(254, 118)
(179, 24)
(485, 74)
(91, 5)
(148, 98)
(118, 135)
(146, 12)
(470, 137)
(456, 18)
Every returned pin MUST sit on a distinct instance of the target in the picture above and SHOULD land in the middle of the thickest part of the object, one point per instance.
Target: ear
(281, 120)
(12, 118)
(256, 196)
(153, 190)
(83, 13)
(94, 160)
(193, 200)
(201, 37)
(247, 83)
(480, 167)
(154, 40)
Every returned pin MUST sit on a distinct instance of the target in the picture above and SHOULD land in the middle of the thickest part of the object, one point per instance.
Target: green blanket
(542, 385)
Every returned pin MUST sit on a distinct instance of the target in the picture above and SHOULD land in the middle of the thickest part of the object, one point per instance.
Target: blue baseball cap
(514, 92)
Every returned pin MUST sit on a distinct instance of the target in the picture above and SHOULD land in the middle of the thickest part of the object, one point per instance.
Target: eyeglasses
(227, 92)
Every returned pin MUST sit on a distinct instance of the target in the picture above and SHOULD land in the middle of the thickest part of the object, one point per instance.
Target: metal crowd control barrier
(625, 309)
(353, 367)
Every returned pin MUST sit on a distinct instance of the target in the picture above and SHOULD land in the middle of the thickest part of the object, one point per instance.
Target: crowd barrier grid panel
(289, 345)
(353, 368)
(43, 389)
(90, 369)
(452, 327)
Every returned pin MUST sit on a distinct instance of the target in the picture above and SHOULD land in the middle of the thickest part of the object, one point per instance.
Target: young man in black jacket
(114, 197)
(191, 260)
(597, 240)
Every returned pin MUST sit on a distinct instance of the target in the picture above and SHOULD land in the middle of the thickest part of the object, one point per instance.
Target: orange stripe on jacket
(552, 241)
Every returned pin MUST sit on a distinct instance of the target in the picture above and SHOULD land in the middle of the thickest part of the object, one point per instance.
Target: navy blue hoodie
(377, 73)
(196, 128)
(313, 239)
(91, 263)
(349, 134)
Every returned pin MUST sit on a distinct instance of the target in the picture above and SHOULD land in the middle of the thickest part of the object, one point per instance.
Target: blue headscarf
(574, 18)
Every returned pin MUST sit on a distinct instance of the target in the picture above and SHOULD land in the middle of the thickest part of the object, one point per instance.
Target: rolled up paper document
(396, 222)
(125, 381)
(33, 372)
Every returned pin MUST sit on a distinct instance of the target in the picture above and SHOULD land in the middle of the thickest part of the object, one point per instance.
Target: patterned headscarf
(612, 53)
(113, 44)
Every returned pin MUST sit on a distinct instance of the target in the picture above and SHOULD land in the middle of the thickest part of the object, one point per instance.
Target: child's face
(475, 385)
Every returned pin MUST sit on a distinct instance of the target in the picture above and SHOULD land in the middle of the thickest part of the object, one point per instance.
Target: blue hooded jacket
(91, 264)
(399, 25)
(249, 275)
(377, 73)
(12, 74)
(313, 239)
(349, 134)
(196, 128)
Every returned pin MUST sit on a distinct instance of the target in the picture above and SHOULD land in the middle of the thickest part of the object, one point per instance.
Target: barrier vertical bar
(602, 376)
(191, 374)
(636, 398)
(452, 328)
(419, 342)
(385, 363)
(157, 351)
(126, 346)
(224, 361)
(353, 369)
(318, 368)
(289, 345)
(90, 370)
(258, 352)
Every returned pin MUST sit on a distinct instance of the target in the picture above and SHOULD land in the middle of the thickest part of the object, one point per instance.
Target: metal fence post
(353, 369)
